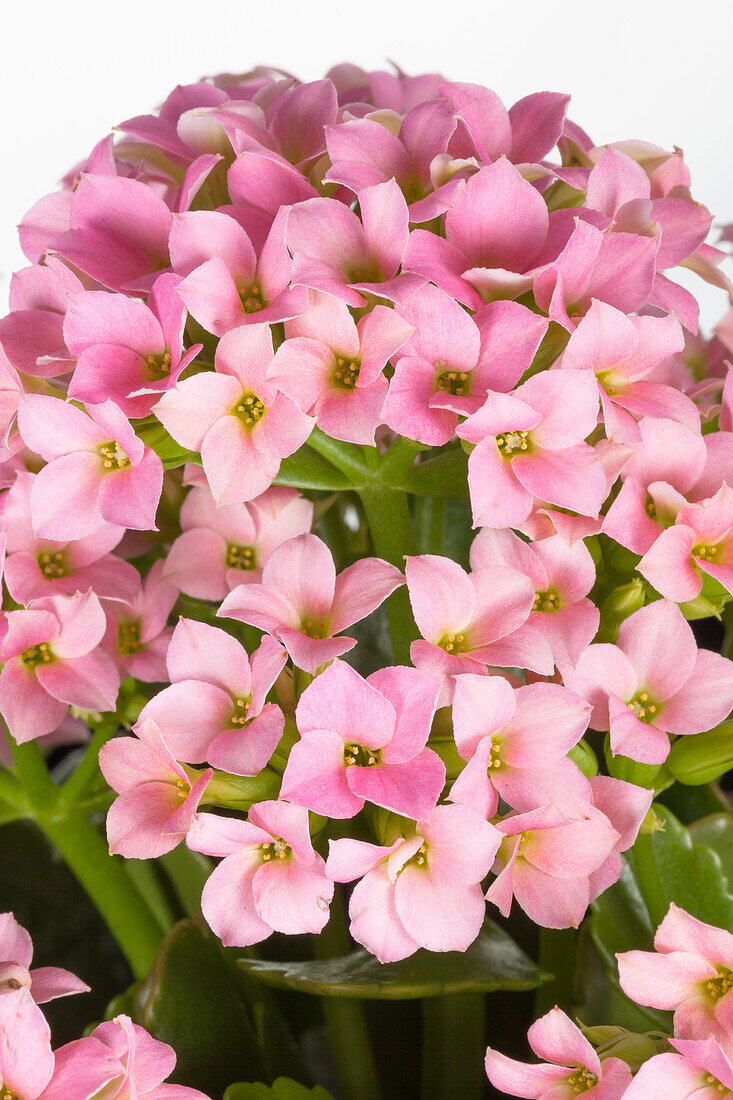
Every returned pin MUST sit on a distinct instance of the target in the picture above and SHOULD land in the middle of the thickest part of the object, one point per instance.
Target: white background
(72, 69)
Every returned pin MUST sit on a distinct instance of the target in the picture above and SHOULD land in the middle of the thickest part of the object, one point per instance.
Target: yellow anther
(346, 373)
(241, 709)
(249, 409)
(509, 443)
(360, 756)
(240, 557)
(37, 655)
(706, 552)
(453, 643)
(113, 457)
(452, 381)
(128, 638)
(546, 601)
(52, 565)
(643, 707)
(159, 366)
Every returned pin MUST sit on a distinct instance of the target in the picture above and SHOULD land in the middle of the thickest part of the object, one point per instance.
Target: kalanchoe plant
(362, 473)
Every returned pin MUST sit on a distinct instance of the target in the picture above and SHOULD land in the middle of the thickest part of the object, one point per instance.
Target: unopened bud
(702, 757)
(389, 827)
(621, 602)
(652, 776)
(583, 756)
(239, 792)
(279, 758)
(710, 602)
(632, 1048)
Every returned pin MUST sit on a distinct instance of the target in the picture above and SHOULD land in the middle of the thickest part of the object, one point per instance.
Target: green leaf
(716, 831)
(493, 962)
(307, 470)
(154, 435)
(283, 1089)
(196, 1004)
(446, 475)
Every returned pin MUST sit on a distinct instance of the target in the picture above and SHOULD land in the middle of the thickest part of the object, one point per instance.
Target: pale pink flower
(421, 891)
(365, 741)
(157, 799)
(239, 420)
(45, 983)
(570, 1065)
(215, 707)
(32, 333)
(653, 683)
(626, 806)
(26, 1058)
(270, 879)
(303, 603)
(137, 634)
(700, 1070)
(97, 471)
(53, 660)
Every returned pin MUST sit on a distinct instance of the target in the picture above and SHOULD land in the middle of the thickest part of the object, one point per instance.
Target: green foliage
(283, 1089)
(172, 454)
(446, 475)
(307, 470)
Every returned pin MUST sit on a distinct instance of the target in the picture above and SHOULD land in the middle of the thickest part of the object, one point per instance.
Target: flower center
(453, 382)
(509, 442)
(241, 709)
(651, 508)
(420, 856)
(453, 643)
(360, 756)
(313, 629)
(278, 849)
(494, 760)
(52, 565)
(6, 1094)
(240, 557)
(582, 1080)
(251, 299)
(546, 601)
(128, 638)
(706, 551)
(643, 707)
(608, 382)
(721, 1088)
(113, 457)
(159, 366)
(37, 655)
(249, 409)
(718, 987)
(346, 373)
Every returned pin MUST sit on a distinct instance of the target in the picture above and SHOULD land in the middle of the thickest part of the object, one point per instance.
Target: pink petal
(292, 898)
(360, 589)
(228, 904)
(438, 917)
(661, 669)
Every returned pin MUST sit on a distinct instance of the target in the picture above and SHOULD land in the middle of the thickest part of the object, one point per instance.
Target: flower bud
(702, 757)
(389, 826)
(583, 756)
(632, 1048)
(621, 602)
(652, 776)
(239, 792)
(710, 602)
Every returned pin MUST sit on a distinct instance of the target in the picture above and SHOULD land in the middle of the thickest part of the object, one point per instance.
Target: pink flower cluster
(689, 973)
(117, 1059)
(374, 261)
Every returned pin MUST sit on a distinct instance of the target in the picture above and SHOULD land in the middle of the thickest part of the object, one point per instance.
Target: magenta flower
(303, 603)
(422, 891)
(690, 972)
(333, 368)
(622, 351)
(238, 419)
(570, 1065)
(32, 333)
(137, 633)
(26, 1058)
(516, 743)
(221, 548)
(451, 361)
(364, 741)
(270, 879)
(125, 350)
(562, 577)
(215, 707)
(98, 470)
(45, 983)
(530, 444)
(346, 256)
(157, 799)
(225, 283)
(470, 620)
(36, 568)
(700, 1070)
(118, 1060)
(654, 682)
(53, 660)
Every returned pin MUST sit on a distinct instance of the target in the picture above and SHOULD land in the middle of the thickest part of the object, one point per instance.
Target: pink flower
(364, 741)
(621, 351)
(700, 1071)
(625, 805)
(137, 634)
(547, 859)
(653, 683)
(26, 1058)
(562, 577)
(333, 368)
(119, 1061)
(45, 983)
(470, 620)
(98, 470)
(302, 602)
(690, 972)
(422, 891)
(570, 1065)
(226, 284)
(516, 743)
(699, 543)
(52, 661)
(157, 799)
(239, 420)
(530, 444)
(221, 548)
(36, 568)
(125, 350)
(270, 879)
(215, 708)
(335, 251)
(451, 361)
(32, 333)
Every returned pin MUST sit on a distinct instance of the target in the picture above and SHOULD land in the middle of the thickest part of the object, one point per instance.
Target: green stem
(430, 524)
(388, 515)
(87, 768)
(12, 792)
(557, 957)
(454, 1044)
(345, 1019)
(344, 456)
(644, 861)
